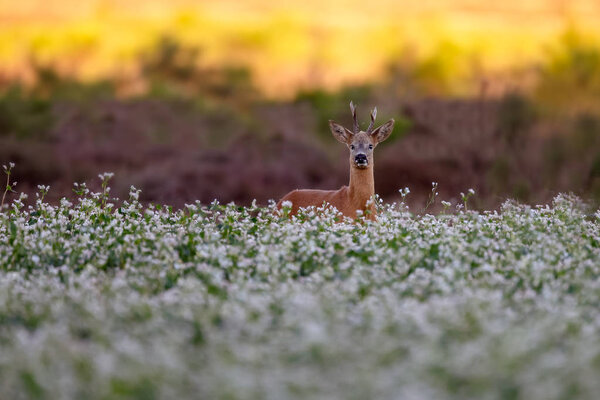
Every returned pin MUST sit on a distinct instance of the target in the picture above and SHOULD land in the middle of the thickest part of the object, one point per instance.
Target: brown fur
(348, 199)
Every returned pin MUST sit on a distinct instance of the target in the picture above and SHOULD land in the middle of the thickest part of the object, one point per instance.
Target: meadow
(165, 293)
(106, 299)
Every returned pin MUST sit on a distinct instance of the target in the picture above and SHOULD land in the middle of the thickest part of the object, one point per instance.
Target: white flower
(106, 175)
(255, 287)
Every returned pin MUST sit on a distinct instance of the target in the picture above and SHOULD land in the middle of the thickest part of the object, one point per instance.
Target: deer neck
(362, 186)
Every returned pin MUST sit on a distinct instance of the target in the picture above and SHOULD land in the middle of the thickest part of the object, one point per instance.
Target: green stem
(5, 190)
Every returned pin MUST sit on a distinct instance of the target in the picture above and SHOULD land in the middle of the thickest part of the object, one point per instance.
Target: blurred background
(229, 100)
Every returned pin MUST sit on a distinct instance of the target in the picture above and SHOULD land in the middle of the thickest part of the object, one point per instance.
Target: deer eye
(370, 147)
(351, 147)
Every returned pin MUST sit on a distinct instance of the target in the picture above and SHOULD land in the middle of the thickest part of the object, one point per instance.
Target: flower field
(109, 300)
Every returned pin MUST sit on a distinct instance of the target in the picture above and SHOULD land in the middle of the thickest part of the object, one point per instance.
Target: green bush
(24, 115)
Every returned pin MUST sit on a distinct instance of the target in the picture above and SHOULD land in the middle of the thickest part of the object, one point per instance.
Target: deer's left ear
(382, 133)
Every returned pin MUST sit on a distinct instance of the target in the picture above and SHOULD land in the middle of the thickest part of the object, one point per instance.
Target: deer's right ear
(342, 134)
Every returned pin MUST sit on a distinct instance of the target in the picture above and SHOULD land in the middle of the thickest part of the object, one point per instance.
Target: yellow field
(293, 44)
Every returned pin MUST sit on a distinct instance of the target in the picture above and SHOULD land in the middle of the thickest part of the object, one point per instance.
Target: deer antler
(373, 116)
(353, 109)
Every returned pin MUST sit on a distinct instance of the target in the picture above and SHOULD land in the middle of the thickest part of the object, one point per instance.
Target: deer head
(361, 143)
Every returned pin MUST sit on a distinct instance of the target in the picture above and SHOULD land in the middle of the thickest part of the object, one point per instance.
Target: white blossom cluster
(107, 301)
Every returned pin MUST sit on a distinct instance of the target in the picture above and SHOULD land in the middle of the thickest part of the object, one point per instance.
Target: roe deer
(348, 199)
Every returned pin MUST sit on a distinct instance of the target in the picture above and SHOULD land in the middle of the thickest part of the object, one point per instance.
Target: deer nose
(360, 159)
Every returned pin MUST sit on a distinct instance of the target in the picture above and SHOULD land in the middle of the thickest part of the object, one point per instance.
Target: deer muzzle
(361, 160)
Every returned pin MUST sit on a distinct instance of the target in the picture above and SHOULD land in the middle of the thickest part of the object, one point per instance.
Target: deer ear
(342, 134)
(382, 133)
